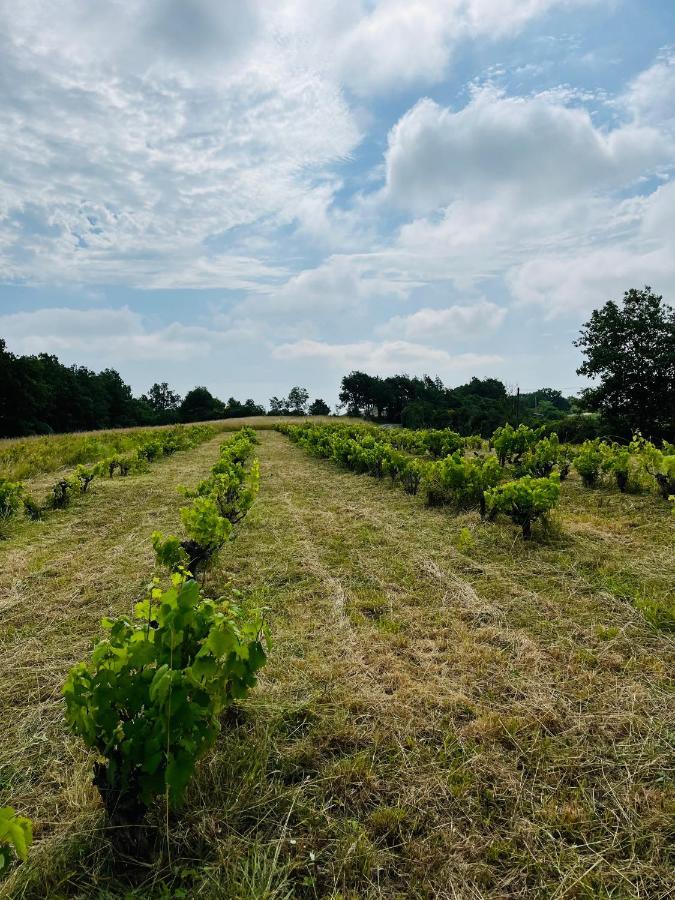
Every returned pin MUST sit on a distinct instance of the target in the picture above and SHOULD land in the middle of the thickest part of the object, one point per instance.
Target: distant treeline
(39, 395)
(474, 408)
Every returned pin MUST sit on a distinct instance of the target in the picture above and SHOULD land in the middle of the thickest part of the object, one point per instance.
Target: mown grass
(447, 710)
(27, 457)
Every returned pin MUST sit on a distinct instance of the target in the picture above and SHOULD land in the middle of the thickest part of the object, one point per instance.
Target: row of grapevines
(458, 479)
(156, 444)
(23, 458)
(150, 699)
(630, 466)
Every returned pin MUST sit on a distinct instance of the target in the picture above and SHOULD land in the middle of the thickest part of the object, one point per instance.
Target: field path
(489, 721)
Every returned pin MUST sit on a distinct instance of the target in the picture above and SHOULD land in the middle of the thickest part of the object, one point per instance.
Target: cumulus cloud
(535, 149)
(395, 43)
(576, 282)
(106, 334)
(450, 323)
(650, 97)
(386, 357)
(128, 165)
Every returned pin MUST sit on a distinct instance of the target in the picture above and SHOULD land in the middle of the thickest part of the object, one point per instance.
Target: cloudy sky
(250, 194)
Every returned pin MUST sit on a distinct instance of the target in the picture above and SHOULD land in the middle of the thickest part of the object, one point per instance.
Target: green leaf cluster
(524, 500)
(16, 836)
(461, 481)
(149, 699)
(219, 503)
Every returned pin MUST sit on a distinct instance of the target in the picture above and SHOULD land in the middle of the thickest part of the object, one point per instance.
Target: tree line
(627, 347)
(41, 395)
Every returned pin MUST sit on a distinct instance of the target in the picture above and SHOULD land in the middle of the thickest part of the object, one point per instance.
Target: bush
(525, 500)
(588, 461)
(11, 500)
(541, 458)
(461, 481)
(149, 700)
(511, 443)
(617, 460)
(660, 464)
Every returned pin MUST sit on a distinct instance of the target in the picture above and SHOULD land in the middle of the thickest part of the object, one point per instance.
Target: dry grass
(448, 712)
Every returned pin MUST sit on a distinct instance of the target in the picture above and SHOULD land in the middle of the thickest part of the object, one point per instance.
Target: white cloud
(106, 335)
(650, 97)
(386, 357)
(576, 281)
(451, 323)
(130, 164)
(393, 44)
(536, 150)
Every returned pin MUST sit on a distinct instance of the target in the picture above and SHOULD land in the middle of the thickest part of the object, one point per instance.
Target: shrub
(62, 492)
(524, 500)
(541, 458)
(16, 836)
(617, 460)
(11, 500)
(660, 464)
(588, 461)
(85, 476)
(411, 476)
(149, 700)
(511, 443)
(461, 481)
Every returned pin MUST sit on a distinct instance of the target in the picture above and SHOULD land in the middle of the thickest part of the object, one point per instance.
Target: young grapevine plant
(524, 500)
(150, 698)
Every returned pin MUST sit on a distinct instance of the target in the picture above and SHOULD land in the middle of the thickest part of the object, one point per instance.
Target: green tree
(630, 349)
(161, 398)
(319, 408)
(200, 405)
(297, 400)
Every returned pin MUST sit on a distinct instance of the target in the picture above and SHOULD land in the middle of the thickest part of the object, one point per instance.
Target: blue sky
(251, 195)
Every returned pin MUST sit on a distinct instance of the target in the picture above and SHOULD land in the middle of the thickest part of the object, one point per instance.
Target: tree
(278, 406)
(630, 348)
(200, 405)
(161, 398)
(297, 400)
(319, 408)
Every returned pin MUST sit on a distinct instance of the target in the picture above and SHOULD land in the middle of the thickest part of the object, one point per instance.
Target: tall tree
(319, 407)
(630, 348)
(200, 405)
(161, 398)
(297, 400)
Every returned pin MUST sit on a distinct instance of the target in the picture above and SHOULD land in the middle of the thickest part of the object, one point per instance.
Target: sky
(253, 194)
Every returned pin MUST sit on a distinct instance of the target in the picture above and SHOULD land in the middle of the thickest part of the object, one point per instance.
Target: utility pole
(518, 406)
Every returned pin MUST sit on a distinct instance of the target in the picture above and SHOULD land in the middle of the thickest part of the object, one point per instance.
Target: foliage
(511, 443)
(319, 407)
(199, 405)
(541, 458)
(660, 464)
(150, 698)
(219, 502)
(617, 460)
(461, 481)
(630, 348)
(476, 407)
(27, 457)
(588, 461)
(16, 836)
(524, 500)
(11, 500)
(85, 476)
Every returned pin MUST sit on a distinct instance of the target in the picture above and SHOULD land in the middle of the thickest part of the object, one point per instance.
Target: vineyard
(336, 660)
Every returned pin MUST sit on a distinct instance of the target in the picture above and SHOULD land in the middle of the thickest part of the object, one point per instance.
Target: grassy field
(447, 711)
